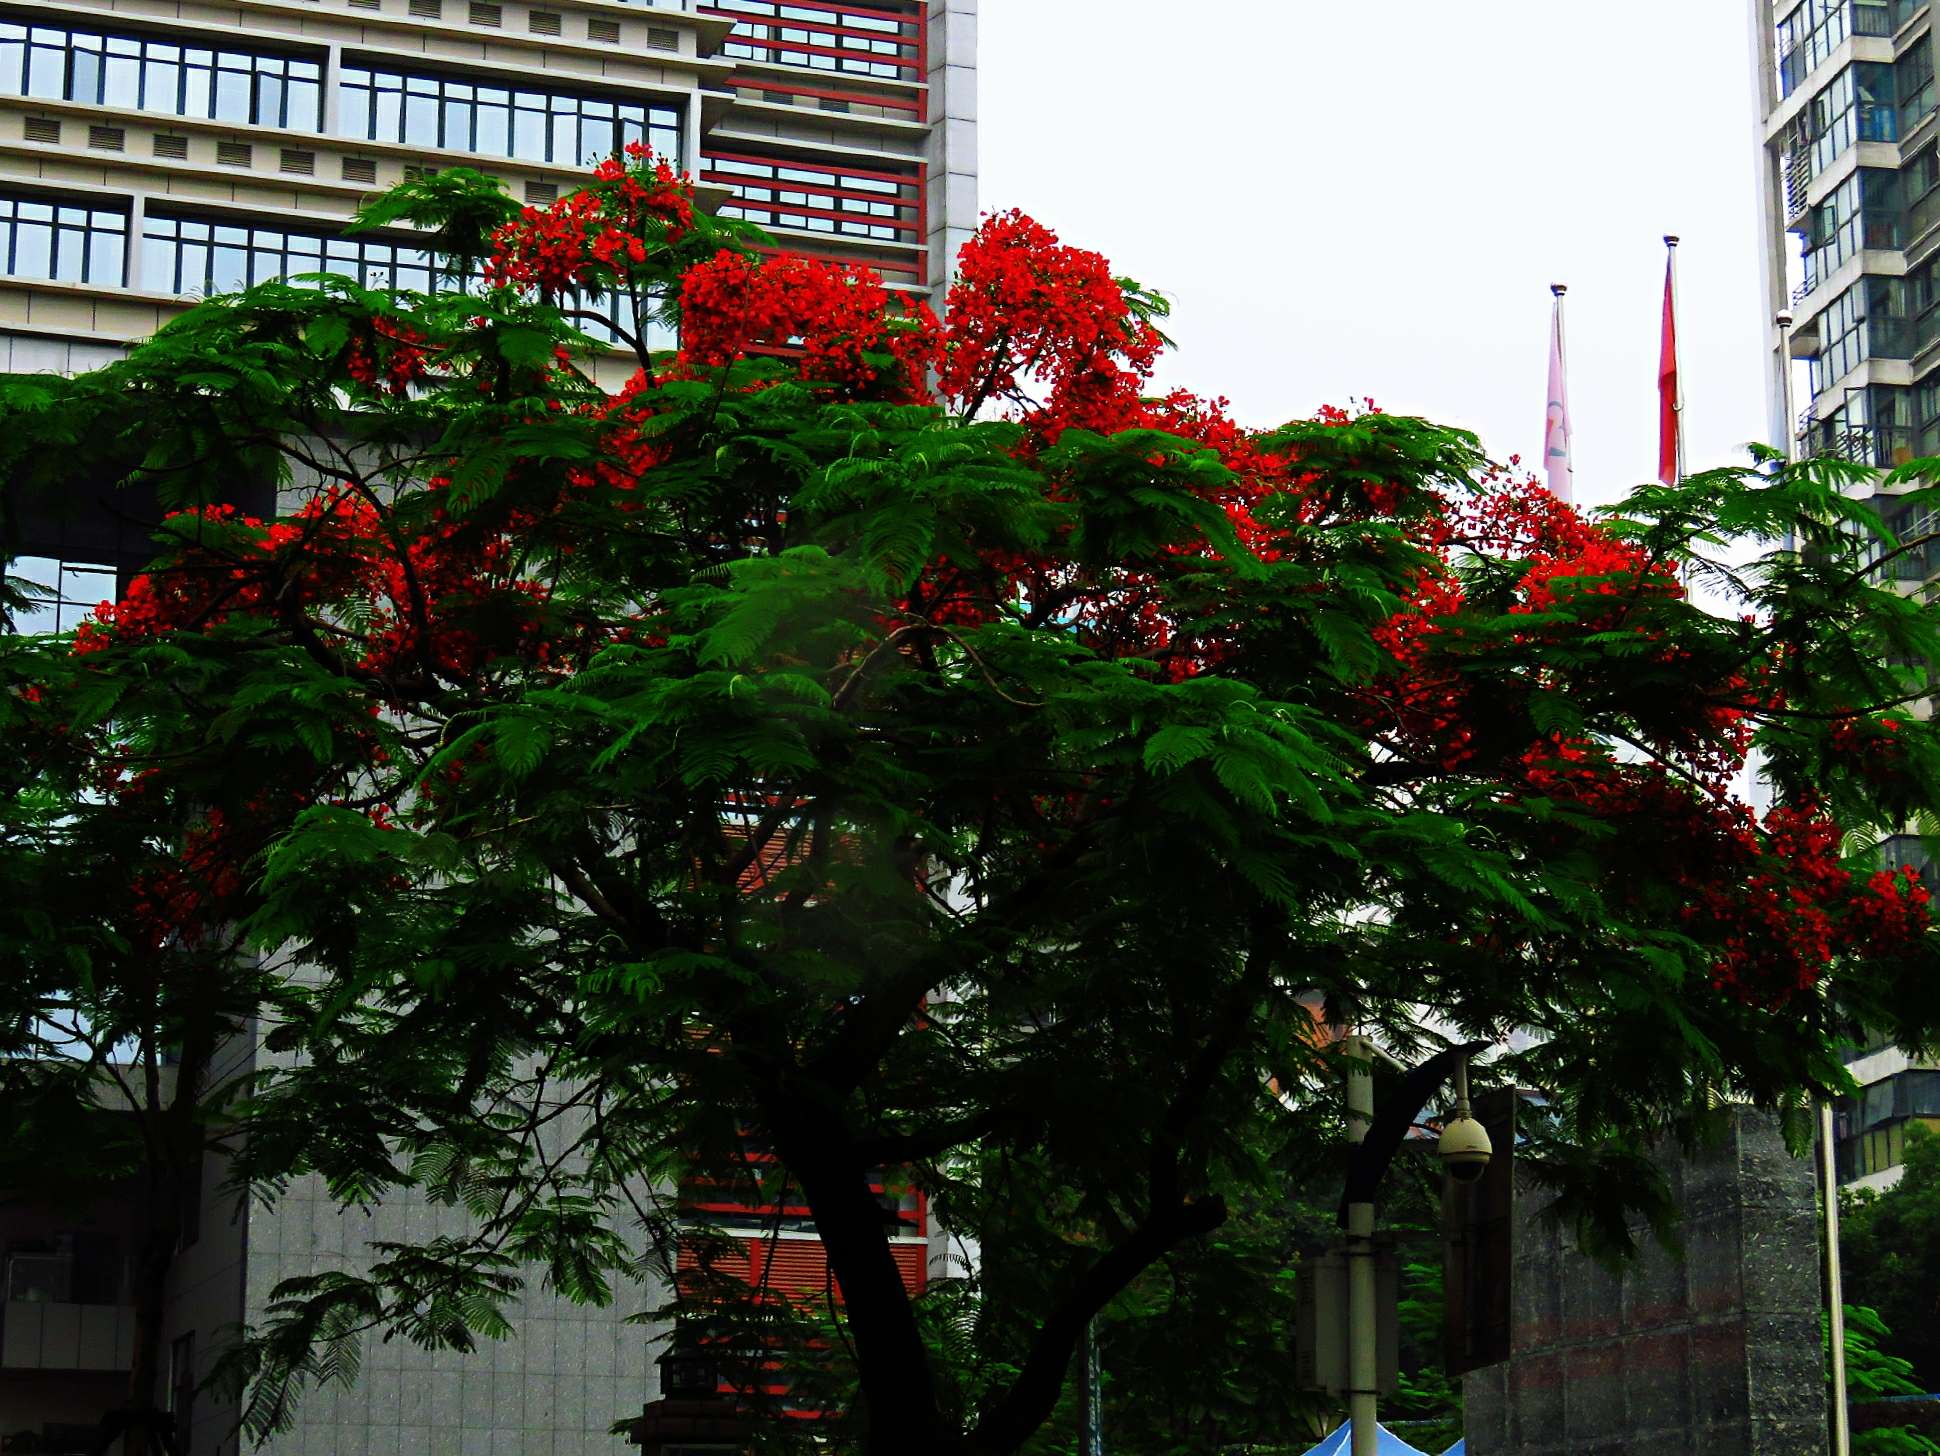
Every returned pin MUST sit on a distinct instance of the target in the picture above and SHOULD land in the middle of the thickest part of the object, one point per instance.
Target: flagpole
(1677, 404)
(1556, 291)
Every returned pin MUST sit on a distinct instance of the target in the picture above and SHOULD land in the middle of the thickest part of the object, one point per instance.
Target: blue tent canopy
(1386, 1444)
(1460, 1448)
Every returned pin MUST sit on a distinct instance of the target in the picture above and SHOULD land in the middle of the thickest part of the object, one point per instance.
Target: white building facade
(1849, 195)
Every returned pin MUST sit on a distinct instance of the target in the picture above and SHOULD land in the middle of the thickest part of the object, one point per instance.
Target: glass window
(64, 242)
(565, 129)
(1913, 83)
(1872, 17)
(62, 592)
(1870, 320)
(202, 256)
(142, 73)
(866, 42)
(1920, 179)
(1808, 34)
(1862, 212)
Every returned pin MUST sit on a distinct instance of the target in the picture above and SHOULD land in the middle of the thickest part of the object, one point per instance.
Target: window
(755, 1195)
(1862, 212)
(61, 592)
(1882, 1149)
(1913, 83)
(199, 255)
(1867, 321)
(852, 203)
(862, 42)
(1920, 183)
(1867, 426)
(1873, 17)
(1889, 411)
(181, 1389)
(64, 242)
(1903, 850)
(149, 74)
(1810, 33)
(497, 121)
(1858, 105)
(65, 1268)
(1926, 417)
(1843, 346)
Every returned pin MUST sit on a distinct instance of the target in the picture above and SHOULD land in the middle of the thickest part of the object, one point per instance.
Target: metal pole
(1670, 242)
(1363, 1374)
(1789, 441)
(1094, 1394)
(1835, 1285)
(1557, 290)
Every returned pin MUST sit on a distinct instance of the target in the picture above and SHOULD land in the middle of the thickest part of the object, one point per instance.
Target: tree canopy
(1890, 1242)
(892, 741)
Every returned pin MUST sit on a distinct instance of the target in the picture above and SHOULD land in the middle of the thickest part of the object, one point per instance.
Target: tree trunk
(144, 1412)
(172, 1174)
(898, 1386)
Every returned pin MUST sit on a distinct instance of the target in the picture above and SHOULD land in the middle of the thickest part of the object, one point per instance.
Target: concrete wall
(1718, 1353)
(552, 1389)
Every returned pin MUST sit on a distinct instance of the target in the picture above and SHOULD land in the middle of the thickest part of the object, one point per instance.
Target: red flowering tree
(901, 741)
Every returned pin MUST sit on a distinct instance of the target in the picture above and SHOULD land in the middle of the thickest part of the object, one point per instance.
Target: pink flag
(1556, 427)
(1670, 390)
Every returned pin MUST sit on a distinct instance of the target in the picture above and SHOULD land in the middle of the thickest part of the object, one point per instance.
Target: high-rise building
(152, 151)
(1849, 190)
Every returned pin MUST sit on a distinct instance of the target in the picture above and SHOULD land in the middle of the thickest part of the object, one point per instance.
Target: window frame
(376, 103)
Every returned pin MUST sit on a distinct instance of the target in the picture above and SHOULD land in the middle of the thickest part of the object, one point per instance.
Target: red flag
(1670, 425)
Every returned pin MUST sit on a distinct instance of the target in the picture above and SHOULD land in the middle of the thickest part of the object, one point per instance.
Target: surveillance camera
(1464, 1149)
(1784, 321)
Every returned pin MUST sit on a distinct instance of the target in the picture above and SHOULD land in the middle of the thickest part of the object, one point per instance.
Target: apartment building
(1849, 190)
(154, 151)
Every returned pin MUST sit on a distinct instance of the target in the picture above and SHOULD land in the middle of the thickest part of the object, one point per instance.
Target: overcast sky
(1349, 199)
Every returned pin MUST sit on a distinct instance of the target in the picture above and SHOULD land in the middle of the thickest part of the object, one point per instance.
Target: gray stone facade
(1719, 1352)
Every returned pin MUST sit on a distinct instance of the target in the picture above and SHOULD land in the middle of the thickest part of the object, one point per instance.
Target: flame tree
(903, 741)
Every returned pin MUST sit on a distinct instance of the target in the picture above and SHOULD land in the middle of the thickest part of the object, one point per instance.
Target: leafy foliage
(776, 752)
(1872, 1374)
(1890, 1244)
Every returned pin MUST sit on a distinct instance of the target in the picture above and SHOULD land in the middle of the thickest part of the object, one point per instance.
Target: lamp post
(1376, 1136)
(1827, 1149)
(692, 1416)
(1363, 1372)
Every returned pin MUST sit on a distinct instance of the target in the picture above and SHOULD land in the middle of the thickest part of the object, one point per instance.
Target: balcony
(59, 1315)
(1798, 171)
(839, 44)
(60, 1336)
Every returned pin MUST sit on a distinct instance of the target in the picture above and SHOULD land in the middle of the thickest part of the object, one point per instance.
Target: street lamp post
(1828, 1159)
(1363, 1374)
(1376, 1135)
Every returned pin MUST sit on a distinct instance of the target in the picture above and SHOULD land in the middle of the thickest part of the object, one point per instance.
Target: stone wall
(1719, 1352)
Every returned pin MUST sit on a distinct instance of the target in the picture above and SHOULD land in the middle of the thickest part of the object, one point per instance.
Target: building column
(951, 164)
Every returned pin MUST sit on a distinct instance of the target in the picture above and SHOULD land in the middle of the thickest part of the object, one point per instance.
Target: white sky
(1346, 198)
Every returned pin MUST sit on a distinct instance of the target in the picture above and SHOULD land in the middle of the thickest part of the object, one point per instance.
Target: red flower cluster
(221, 568)
(453, 600)
(591, 239)
(1600, 582)
(836, 320)
(1026, 308)
(388, 359)
(1422, 709)
(1774, 898)
(1871, 747)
